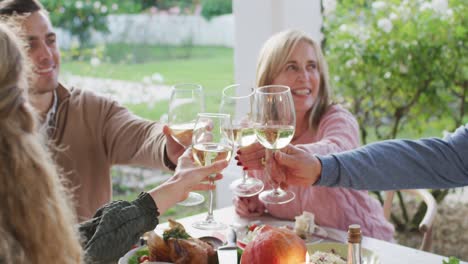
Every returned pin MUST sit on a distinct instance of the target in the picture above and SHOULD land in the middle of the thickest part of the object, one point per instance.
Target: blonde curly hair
(37, 223)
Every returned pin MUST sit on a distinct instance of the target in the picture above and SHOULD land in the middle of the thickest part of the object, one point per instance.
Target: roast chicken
(178, 247)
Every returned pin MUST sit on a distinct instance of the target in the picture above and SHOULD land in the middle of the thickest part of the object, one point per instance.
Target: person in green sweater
(37, 220)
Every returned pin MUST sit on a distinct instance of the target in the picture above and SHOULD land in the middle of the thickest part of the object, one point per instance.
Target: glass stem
(244, 176)
(276, 187)
(209, 217)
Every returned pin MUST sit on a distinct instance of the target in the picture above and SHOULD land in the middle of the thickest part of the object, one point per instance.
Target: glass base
(209, 225)
(276, 196)
(247, 188)
(192, 199)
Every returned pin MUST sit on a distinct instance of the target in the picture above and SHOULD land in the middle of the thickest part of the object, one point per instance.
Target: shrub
(399, 63)
(212, 8)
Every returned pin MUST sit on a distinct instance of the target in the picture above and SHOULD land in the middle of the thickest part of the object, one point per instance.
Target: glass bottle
(354, 244)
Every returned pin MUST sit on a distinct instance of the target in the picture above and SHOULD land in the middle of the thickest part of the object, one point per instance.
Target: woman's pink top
(338, 131)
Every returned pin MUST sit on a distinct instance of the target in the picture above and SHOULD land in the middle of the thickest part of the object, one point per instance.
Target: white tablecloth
(387, 252)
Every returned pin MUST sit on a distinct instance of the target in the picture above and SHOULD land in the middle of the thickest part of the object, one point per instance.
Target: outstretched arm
(118, 225)
(401, 164)
(394, 164)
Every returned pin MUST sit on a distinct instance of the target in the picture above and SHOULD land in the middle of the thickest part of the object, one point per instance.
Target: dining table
(387, 252)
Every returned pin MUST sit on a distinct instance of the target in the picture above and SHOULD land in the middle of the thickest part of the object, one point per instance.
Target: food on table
(320, 257)
(274, 245)
(305, 224)
(140, 256)
(179, 247)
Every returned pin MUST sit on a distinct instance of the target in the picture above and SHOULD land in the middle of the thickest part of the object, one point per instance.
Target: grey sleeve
(116, 227)
(401, 164)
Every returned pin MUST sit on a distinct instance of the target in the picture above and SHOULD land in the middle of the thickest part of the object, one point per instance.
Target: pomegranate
(275, 245)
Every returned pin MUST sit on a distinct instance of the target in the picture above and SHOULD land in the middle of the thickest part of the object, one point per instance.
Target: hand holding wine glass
(238, 104)
(212, 141)
(274, 122)
(185, 103)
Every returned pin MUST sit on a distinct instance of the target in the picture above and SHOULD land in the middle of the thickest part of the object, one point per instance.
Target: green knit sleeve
(116, 227)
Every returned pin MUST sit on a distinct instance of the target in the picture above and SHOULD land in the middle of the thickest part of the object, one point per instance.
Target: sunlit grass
(212, 67)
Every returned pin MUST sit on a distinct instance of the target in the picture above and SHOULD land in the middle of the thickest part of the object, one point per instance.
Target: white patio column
(255, 22)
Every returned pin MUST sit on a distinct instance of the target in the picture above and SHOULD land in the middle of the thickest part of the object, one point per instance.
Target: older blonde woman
(292, 58)
(37, 222)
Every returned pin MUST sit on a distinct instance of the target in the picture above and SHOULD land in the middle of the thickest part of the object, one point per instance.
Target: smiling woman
(292, 58)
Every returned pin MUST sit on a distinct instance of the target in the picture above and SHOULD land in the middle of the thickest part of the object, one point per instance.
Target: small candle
(307, 258)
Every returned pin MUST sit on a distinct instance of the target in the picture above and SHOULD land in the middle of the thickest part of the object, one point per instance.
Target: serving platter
(368, 256)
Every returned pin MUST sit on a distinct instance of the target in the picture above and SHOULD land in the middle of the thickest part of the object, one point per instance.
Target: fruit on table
(275, 245)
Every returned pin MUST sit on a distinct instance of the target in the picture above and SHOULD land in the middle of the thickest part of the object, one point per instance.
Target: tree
(399, 64)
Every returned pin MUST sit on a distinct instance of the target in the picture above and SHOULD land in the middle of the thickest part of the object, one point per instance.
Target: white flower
(336, 78)
(439, 6)
(351, 62)
(449, 12)
(385, 24)
(378, 5)
(329, 6)
(95, 61)
(387, 75)
(76, 21)
(62, 10)
(425, 6)
(103, 9)
(393, 16)
(115, 7)
(403, 68)
(79, 5)
(343, 28)
(157, 77)
(97, 4)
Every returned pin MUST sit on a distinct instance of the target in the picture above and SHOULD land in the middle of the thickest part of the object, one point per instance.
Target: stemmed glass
(274, 120)
(185, 103)
(212, 141)
(238, 104)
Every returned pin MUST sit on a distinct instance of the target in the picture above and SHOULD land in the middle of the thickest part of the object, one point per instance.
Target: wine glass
(238, 104)
(274, 120)
(185, 103)
(212, 141)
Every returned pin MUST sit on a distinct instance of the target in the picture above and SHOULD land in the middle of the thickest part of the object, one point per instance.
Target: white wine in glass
(237, 102)
(212, 141)
(186, 102)
(275, 136)
(274, 117)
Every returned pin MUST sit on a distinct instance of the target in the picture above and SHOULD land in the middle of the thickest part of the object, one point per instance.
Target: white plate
(316, 236)
(126, 258)
(367, 256)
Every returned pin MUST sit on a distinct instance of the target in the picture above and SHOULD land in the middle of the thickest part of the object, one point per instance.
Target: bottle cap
(354, 234)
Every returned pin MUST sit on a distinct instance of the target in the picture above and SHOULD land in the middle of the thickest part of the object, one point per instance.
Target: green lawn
(212, 67)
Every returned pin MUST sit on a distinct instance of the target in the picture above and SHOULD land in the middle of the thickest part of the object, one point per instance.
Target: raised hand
(251, 157)
(248, 206)
(187, 177)
(296, 166)
(173, 149)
